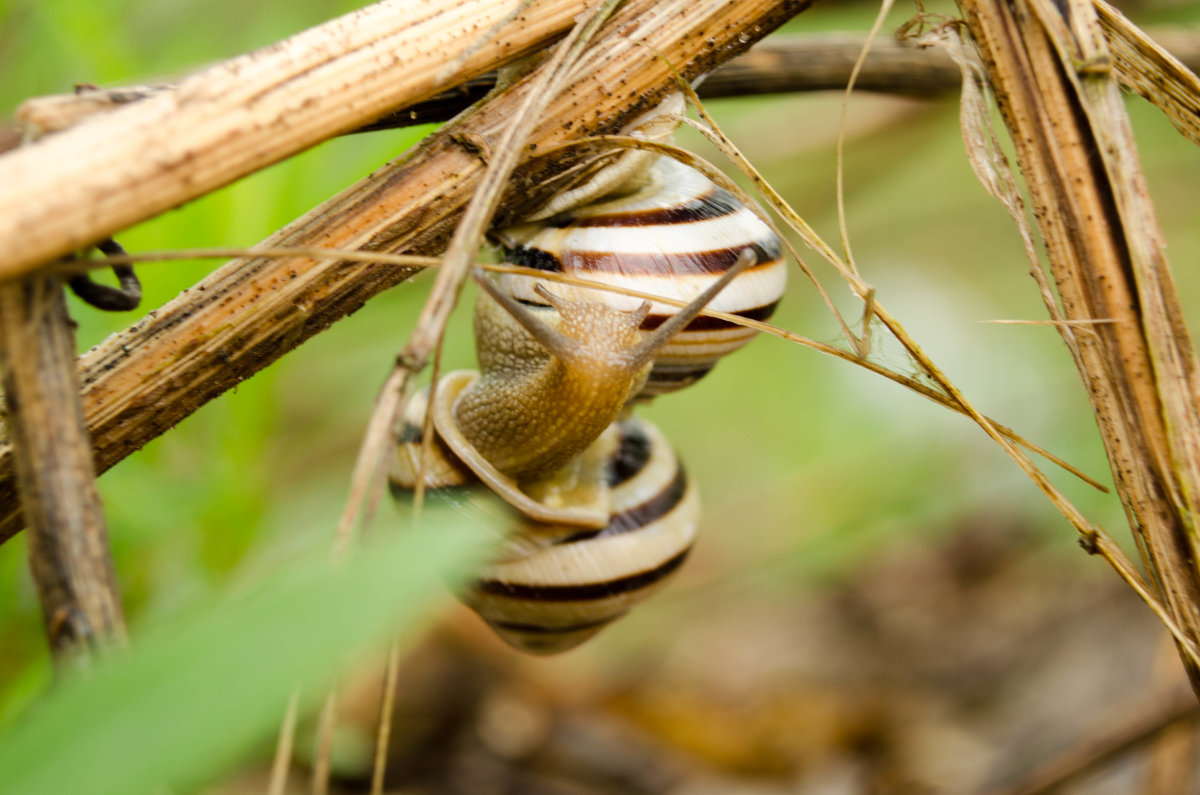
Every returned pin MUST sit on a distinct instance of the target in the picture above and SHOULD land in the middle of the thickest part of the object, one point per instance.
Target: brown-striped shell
(671, 237)
(553, 586)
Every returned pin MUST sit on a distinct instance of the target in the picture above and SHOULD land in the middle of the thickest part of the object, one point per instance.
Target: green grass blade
(198, 694)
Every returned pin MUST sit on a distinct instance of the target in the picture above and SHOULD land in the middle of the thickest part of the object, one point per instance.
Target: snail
(594, 505)
(671, 236)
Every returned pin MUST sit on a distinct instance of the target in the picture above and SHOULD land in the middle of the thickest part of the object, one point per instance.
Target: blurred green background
(809, 468)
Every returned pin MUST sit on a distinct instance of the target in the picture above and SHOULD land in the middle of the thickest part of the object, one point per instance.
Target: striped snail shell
(671, 236)
(553, 586)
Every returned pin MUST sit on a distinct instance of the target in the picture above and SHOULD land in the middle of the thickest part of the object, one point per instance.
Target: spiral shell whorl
(553, 586)
(671, 238)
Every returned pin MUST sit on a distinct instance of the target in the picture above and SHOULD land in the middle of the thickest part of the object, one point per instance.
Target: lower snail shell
(554, 586)
(672, 237)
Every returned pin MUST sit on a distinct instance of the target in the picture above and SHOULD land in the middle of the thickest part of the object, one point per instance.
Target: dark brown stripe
(529, 257)
(714, 204)
(651, 510)
(674, 374)
(705, 323)
(632, 454)
(638, 516)
(583, 593)
(536, 629)
(715, 261)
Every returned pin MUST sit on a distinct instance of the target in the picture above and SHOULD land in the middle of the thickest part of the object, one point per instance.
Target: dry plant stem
(142, 381)
(118, 168)
(778, 65)
(427, 432)
(885, 6)
(992, 169)
(376, 442)
(1064, 113)
(386, 706)
(1170, 763)
(811, 62)
(824, 62)
(323, 755)
(1139, 727)
(1146, 67)
(282, 761)
(68, 546)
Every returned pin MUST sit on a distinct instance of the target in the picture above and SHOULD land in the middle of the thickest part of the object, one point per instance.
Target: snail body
(594, 504)
(553, 377)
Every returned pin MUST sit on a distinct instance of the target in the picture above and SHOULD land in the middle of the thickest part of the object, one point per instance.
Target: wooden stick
(116, 169)
(68, 545)
(142, 381)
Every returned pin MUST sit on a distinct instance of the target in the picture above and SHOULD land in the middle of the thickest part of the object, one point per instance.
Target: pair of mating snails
(595, 507)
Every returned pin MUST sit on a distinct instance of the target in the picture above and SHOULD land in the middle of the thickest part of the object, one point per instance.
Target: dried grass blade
(843, 228)
(282, 761)
(993, 169)
(1153, 73)
(1063, 108)
(387, 705)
